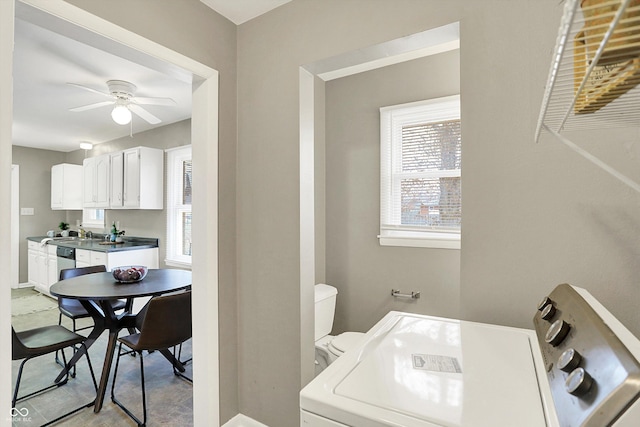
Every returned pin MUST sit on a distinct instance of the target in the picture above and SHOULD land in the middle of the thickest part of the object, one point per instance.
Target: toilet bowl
(329, 347)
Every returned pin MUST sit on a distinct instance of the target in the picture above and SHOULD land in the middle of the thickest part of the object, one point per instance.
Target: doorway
(312, 78)
(204, 132)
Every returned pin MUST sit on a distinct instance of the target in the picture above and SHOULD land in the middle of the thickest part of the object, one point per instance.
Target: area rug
(32, 304)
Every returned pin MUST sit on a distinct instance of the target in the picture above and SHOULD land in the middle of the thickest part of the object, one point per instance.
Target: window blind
(421, 167)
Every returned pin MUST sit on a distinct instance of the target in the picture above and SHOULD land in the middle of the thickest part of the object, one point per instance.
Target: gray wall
(35, 192)
(363, 271)
(535, 214)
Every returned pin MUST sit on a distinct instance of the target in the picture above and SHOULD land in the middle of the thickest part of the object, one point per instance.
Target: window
(93, 218)
(179, 206)
(420, 185)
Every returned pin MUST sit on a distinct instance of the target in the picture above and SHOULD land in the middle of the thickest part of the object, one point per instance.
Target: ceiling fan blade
(91, 106)
(144, 114)
(91, 90)
(154, 101)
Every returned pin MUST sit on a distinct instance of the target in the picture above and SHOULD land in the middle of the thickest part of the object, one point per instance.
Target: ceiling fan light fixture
(86, 145)
(121, 114)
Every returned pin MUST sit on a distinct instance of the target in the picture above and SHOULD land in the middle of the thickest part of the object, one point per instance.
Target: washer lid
(419, 371)
(344, 342)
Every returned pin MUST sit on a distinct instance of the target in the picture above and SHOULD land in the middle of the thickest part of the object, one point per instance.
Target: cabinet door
(89, 172)
(42, 272)
(57, 185)
(102, 173)
(52, 271)
(99, 258)
(32, 267)
(132, 178)
(117, 179)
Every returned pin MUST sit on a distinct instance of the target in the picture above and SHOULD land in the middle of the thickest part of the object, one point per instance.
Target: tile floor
(169, 397)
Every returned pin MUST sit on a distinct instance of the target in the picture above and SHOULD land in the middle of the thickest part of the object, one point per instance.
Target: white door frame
(15, 231)
(204, 124)
(311, 80)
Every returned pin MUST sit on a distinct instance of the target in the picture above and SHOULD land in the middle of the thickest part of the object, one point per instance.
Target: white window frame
(91, 218)
(175, 208)
(392, 118)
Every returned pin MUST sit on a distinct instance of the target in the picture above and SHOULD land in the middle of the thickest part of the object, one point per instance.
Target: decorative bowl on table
(129, 273)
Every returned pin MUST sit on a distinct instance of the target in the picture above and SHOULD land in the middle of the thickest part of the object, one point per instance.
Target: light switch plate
(26, 211)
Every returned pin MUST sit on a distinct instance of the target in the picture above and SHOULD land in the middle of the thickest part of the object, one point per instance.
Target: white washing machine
(579, 367)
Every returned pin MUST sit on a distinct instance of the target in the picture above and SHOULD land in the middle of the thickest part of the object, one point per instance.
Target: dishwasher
(66, 258)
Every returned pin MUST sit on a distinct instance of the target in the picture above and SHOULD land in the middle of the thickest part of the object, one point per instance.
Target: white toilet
(329, 347)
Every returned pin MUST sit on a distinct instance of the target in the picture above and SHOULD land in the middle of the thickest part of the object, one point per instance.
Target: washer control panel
(592, 375)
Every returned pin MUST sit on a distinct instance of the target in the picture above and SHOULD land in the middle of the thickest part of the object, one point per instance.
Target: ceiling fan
(123, 99)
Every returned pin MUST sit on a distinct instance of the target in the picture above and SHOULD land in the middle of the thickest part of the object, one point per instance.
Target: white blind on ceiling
(421, 166)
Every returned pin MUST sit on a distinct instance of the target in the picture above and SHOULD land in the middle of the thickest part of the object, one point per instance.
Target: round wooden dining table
(94, 292)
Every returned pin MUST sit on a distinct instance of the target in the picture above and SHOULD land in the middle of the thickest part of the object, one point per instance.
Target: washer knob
(548, 312)
(579, 382)
(557, 332)
(569, 360)
(545, 301)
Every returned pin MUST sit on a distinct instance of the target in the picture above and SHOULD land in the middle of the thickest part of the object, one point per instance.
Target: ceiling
(240, 11)
(46, 59)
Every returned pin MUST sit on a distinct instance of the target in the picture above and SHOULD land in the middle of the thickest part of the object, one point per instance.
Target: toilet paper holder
(397, 294)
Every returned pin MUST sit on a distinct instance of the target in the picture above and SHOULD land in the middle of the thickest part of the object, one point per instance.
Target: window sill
(179, 264)
(421, 240)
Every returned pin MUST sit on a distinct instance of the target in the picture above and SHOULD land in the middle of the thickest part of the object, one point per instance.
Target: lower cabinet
(42, 266)
(148, 257)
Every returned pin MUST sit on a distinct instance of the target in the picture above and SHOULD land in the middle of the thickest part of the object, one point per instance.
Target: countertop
(130, 243)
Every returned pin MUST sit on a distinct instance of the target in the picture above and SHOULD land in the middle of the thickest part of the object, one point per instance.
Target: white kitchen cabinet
(147, 257)
(141, 180)
(117, 180)
(83, 258)
(33, 252)
(42, 266)
(66, 187)
(52, 268)
(96, 177)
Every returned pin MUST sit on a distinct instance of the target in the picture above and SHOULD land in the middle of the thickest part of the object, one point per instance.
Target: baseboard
(243, 421)
(22, 285)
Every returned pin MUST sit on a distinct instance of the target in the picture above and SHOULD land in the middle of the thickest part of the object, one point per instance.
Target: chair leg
(15, 393)
(144, 397)
(57, 358)
(175, 371)
(73, 373)
(184, 362)
(87, 405)
(55, 385)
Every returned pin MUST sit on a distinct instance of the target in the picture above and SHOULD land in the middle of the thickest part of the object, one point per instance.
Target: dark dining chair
(45, 340)
(164, 323)
(73, 308)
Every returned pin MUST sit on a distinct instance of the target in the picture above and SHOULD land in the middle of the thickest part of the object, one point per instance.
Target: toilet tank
(325, 297)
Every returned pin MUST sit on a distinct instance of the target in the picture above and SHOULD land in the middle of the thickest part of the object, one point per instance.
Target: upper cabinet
(129, 179)
(143, 178)
(66, 187)
(96, 182)
(117, 180)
